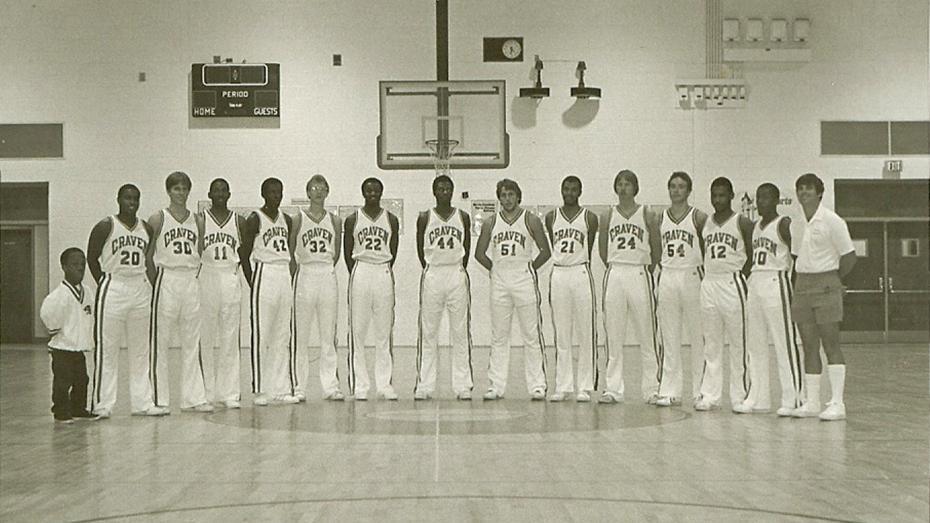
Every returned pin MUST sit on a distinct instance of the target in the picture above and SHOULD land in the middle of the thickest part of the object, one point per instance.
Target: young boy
(68, 313)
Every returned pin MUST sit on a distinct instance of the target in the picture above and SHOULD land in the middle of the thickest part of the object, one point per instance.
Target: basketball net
(441, 151)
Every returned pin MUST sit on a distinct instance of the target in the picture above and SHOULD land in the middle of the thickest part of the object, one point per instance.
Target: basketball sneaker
(784, 412)
(301, 397)
(260, 401)
(421, 396)
(465, 395)
(668, 401)
(833, 412)
(336, 395)
(231, 404)
(492, 395)
(806, 410)
(652, 399)
(285, 399)
(557, 397)
(389, 395)
(361, 396)
(63, 419)
(85, 416)
(203, 407)
(609, 397)
(583, 397)
(538, 395)
(703, 405)
(102, 414)
(747, 407)
(154, 410)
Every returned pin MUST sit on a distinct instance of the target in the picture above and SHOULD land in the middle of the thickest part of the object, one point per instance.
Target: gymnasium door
(16, 284)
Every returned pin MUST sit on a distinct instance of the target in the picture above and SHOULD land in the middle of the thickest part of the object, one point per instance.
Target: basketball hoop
(441, 151)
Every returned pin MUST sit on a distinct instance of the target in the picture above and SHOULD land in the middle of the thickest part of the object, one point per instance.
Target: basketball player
(727, 251)
(514, 288)
(176, 297)
(679, 290)
(572, 229)
(370, 250)
(825, 255)
(220, 296)
(769, 310)
(116, 259)
(629, 247)
(443, 244)
(315, 243)
(265, 258)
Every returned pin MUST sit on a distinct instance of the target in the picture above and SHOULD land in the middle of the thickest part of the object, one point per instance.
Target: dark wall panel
(31, 140)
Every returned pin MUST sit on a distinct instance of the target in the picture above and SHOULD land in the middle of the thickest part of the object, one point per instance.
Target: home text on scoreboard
(235, 90)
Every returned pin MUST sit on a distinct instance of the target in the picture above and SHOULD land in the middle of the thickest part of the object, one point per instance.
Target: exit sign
(893, 166)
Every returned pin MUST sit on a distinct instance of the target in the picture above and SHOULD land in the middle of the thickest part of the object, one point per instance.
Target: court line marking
(466, 496)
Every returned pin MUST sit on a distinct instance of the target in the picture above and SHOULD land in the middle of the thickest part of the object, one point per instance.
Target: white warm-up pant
(271, 301)
(723, 309)
(629, 298)
(316, 299)
(769, 318)
(516, 289)
(220, 296)
(571, 300)
(679, 308)
(444, 288)
(122, 307)
(371, 307)
(176, 316)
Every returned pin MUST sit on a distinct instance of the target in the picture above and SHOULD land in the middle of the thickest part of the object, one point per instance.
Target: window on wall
(31, 140)
(883, 138)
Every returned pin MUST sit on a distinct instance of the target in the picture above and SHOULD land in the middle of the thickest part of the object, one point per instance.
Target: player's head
(178, 185)
(626, 184)
(679, 187)
(571, 190)
(272, 192)
(317, 188)
(509, 194)
(721, 193)
(219, 192)
(767, 196)
(372, 189)
(809, 188)
(127, 197)
(73, 264)
(443, 187)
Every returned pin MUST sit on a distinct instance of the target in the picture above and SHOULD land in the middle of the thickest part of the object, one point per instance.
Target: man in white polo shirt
(825, 254)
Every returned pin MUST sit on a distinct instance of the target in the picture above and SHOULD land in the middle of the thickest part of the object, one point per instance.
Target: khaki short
(818, 298)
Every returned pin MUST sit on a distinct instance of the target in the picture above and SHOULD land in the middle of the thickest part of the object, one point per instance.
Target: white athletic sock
(812, 382)
(837, 382)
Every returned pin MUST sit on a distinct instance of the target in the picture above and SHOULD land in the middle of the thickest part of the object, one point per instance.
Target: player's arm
(348, 241)
(700, 219)
(240, 230)
(484, 239)
(466, 240)
(52, 313)
(745, 229)
(655, 236)
(784, 232)
(421, 232)
(535, 226)
(395, 236)
(337, 246)
(842, 241)
(288, 221)
(153, 227)
(549, 220)
(602, 238)
(592, 223)
(98, 236)
(201, 229)
(293, 232)
(249, 232)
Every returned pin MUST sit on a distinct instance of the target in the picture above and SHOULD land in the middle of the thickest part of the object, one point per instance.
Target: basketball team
(722, 281)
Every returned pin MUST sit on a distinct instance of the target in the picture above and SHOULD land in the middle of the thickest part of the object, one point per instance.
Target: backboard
(472, 112)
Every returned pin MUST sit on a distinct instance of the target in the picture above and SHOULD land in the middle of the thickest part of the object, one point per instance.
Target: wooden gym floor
(444, 460)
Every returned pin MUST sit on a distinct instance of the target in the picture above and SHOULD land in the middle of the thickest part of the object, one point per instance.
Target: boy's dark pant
(69, 383)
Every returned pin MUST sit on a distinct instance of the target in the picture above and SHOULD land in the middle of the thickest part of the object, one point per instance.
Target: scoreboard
(235, 90)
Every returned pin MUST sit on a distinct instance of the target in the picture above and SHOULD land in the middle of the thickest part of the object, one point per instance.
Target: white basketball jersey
(271, 243)
(316, 241)
(511, 244)
(681, 248)
(372, 238)
(124, 251)
(443, 239)
(628, 238)
(220, 241)
(769, 251)
(176, 246)
(724, 249)
(570, 238)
